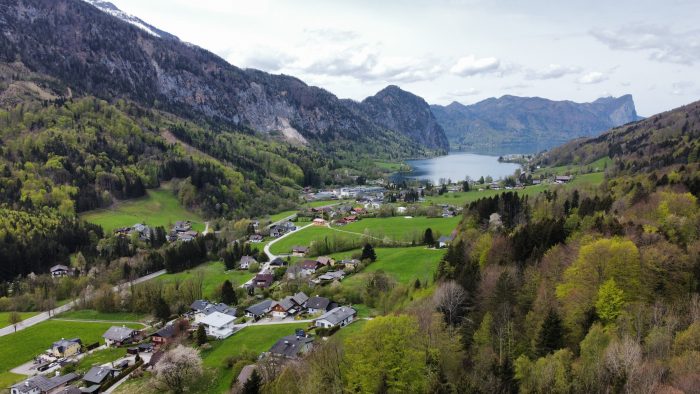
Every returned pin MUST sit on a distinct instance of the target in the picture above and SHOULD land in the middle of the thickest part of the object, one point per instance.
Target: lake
(457, 165)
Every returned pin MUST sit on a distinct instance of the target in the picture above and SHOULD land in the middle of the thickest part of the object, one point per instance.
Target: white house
(340, 316)
(218, 325)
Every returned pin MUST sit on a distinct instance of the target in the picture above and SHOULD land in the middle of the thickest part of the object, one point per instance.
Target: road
(68, 306)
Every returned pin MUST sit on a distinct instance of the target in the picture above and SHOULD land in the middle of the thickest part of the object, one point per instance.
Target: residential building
(246, 261)
(278, 262)
(163, 336)
(330, 276)
(445, 241)
(319, 222)
(318, 305)
(218, 325)
(291, 347)
(99, 374)
(60, 270)
(284, 307)
(296, 272)
(205, 308)
(340, 316)
(42, 385)
(263, 280)
(259, 310)
(118, 336)
(309, 267)
(300, 299)
(299, 251)
(256, 238)
(66, 347)
(326, 261)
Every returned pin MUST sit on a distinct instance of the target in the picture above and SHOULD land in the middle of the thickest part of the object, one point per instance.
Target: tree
(465, 186)
(228, 294)
(551, 336)
(449, 299)
(253, 384)
(201, 335)
(368, 253)
(14, 319)
(161, 309)
(610, 301)
(178, 369)
(428, 237)
(385, 354)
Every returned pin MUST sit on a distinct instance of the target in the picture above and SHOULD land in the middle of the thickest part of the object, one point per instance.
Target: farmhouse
(66, 347)
(296, 272)
(299, 251)
(263, 280)
(40, 384)
(164, 335)
(218, 325)
(337, 317)
(291, 347)
(284, 307)
(118, 336)
(246, 261)
(309, 267)
(563, 179)
(97, 375)
(319, 222)
(330, 276)
(258, 310)
(350, 264)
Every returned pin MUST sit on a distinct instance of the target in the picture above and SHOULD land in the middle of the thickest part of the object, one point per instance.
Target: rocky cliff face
(98, 53)
(510, 120)
(399, 110)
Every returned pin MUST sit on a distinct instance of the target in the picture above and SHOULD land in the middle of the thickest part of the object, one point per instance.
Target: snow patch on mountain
(111, 9)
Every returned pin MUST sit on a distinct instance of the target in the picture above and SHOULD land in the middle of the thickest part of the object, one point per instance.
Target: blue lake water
(458, 165)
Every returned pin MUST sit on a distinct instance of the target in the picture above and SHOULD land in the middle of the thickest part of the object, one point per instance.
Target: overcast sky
(455, 50)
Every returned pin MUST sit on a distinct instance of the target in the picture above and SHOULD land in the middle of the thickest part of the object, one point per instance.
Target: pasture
(213, 275)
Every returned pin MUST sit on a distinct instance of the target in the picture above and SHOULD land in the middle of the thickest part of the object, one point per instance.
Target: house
(563, 179)
(330, 276)
(319, 222)
(218, 325)
(263, 280)
(199, 305)
(284, 307)
(118, 336)
(60, 270)
(277, 262)
(299, 251)
(143, 231)
(300, 299)
(350, 264)
(318, 305)
(69, 390)
(41, 384)
(205, 308)
(187, 236)
(336, 317)
(164, 335)
(182, 226)
(445, 241)
(326, 261)
(99, 374)
(296, 272)
(66, 347)
(259, 310)
(291, 346)
(255, 238)
(309, 266)
(246, 261)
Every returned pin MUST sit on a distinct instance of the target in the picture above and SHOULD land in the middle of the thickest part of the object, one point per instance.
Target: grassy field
(598, 166)
(254, 338)
(100, 357)
(305, 237)
(463, 198)
(90, 314)
(282, 215)
(5, 317)
(392, 167)
(23, 345)
(405, 265)
(345, 332)
(214, 275)
(159, 208)
(402, 229)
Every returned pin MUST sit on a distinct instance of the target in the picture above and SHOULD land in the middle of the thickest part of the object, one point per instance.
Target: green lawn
(214, 275)
(305, 237)
(23, 345)
(391, 166)
(159, 208)
(347, 331)
(90, 314)
(5, 317)
(402, 229)
(282, 215)
(460, 199)
(405, 265)
(254, 338)
(100, 357)
(598, 166)
(323, 203)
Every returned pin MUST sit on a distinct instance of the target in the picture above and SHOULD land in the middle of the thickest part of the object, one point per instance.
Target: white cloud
(471, 65)
(592, 77)
(552, 71)
(661, 43)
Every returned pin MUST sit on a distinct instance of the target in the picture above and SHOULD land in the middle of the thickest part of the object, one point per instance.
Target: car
(43, 367)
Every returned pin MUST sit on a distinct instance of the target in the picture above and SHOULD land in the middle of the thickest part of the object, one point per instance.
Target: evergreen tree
(368, 253)
(428, 238)
(551, 336)
(254, 383)
(228, 294)
(201, 336)
(161, 309)
(465, 186)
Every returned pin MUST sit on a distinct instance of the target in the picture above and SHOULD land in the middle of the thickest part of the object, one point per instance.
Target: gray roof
(260, 308)
(66, 342)
(199, 305)
(98, 374)
(58, 267)
(248, 259)
(222, 308)
(446, 238)
(290, 346)
(300, 298)
(43, 383)
(286, 303)
(117, 333)
(69, 390)
(166, 332)
(332, 275)
(318, 303)
(337, 315)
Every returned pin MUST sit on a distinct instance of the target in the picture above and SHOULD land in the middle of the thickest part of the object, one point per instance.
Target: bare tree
(14, 319)
(623, 359)
(178, 369)
(449, 298)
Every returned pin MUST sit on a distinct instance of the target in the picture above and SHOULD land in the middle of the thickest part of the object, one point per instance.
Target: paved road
(36, 319)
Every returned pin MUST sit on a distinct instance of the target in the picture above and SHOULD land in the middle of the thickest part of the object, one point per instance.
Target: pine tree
(201, 336)
(228, 294)
(254, 383)
(551, 336)
(368, 253)
(428, 238)
(161, 309)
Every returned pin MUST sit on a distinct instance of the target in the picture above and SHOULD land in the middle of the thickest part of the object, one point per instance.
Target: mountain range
(511, 122)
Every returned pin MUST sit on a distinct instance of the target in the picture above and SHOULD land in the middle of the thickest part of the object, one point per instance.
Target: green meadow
(5, 317)
(305, 237)
(91, 314)
(213, 274)
(159, 207)
(401, 228)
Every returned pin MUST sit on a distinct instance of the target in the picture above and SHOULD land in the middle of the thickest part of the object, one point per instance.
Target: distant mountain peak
(111, 9)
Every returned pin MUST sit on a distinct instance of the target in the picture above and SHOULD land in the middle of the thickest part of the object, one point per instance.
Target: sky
(454, 50)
